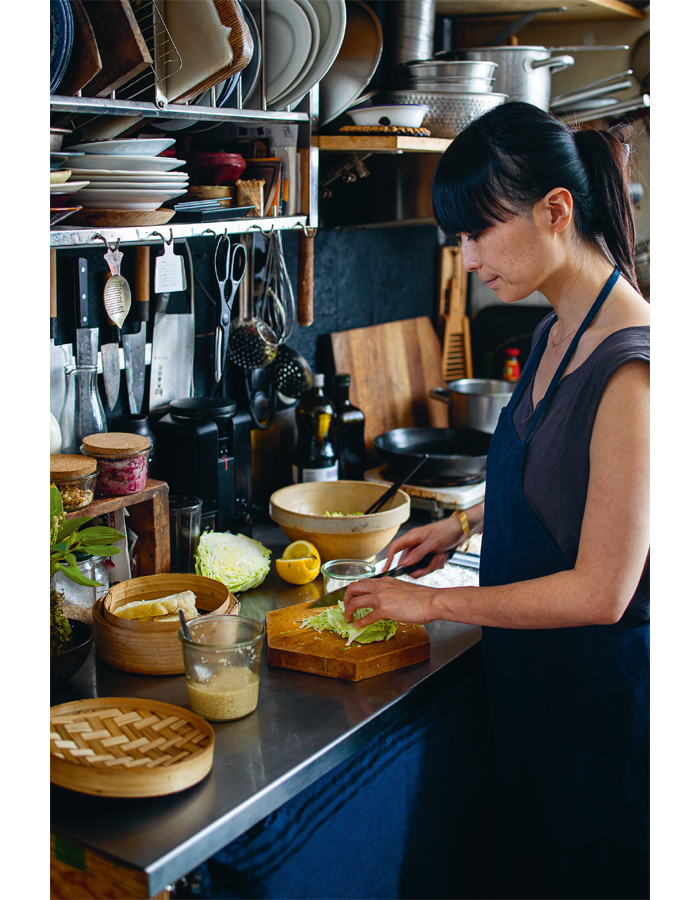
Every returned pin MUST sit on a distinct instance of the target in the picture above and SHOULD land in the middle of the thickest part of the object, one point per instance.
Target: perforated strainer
(252, 343)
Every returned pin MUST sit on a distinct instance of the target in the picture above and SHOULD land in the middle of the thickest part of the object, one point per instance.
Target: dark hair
(512, 156)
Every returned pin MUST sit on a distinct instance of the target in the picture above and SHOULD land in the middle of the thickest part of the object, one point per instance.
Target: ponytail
(608, 214)
(512, 156)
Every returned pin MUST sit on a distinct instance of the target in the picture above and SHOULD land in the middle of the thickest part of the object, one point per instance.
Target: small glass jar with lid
(75, 477)
(122, 461)
(339, 573)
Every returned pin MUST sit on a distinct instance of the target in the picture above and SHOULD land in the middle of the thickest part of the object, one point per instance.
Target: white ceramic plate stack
(302, 40)
(128, 174)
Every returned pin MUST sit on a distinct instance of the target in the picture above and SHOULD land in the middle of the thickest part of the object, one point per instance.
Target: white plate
(287, 45)
(138, 185)
(130, 163)
(98, 199)
(354, 65)
(112, 174)
(126, 147)
(69, 187)
(291, 94)
(332, 19)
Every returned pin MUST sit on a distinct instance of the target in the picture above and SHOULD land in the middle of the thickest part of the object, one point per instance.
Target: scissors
(229, 268)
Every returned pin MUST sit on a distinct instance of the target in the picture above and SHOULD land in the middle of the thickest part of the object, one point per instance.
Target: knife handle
(82, 293)
(53, 295)
(405, 570)
(142, 284)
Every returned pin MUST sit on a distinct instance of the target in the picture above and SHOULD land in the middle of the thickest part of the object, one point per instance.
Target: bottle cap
(512, 351)
(319, 379)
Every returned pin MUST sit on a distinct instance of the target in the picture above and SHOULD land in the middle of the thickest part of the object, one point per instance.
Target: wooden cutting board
(290, 646)
(122, 48)
(392, 369)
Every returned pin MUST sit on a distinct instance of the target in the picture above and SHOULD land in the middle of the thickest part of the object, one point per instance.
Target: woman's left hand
(390, 598)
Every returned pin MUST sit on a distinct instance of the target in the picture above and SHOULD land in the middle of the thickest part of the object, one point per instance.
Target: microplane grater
(169, 273)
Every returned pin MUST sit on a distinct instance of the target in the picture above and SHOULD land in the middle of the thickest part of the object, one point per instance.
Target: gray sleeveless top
(556, 468)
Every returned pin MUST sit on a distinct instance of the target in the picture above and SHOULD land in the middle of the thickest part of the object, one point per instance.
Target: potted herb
(68, 636)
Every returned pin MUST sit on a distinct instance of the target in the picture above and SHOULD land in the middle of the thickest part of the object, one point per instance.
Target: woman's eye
(474, 237)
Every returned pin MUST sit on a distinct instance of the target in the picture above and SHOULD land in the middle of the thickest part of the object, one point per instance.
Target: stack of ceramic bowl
(128, 174)
(456, 91)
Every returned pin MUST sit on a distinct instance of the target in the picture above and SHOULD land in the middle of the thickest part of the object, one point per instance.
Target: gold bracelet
(463, 521)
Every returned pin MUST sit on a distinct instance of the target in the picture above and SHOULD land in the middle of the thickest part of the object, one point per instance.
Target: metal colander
(449, 113)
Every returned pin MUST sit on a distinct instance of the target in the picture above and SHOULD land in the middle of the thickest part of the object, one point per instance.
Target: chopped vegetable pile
(337, 513)
(333, 619)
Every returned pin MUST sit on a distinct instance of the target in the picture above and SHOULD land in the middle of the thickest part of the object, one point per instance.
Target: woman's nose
(470, 259)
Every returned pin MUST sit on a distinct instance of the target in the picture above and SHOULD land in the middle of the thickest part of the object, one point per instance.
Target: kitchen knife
(86, 339)
(332, 597)
(135, 344)
(111, 370)
(60, 355)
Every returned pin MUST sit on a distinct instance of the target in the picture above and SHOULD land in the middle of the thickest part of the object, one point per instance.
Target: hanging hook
(101, 237)
(256, 227)
(308, 232)
(158, 234)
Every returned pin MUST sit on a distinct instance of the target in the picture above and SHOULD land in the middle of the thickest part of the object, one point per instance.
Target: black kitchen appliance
(204, 451)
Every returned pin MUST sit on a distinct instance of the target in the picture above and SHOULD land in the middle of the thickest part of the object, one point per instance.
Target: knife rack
(454, 323)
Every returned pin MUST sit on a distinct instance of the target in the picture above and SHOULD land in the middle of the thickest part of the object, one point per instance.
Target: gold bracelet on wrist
(463, 521)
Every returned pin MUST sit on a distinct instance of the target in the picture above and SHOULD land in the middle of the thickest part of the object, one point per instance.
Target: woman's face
(514, 258)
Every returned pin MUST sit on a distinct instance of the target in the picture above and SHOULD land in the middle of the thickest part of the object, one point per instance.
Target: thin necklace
(598, 316)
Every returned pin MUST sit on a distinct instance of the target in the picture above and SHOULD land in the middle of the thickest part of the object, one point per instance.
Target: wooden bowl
(300, 509)
(65, 665)
(128, 747)
(152, 648)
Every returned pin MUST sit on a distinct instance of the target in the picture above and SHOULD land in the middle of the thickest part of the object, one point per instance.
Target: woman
(564, 588)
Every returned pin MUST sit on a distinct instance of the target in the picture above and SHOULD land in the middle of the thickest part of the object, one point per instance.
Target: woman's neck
(574, 286)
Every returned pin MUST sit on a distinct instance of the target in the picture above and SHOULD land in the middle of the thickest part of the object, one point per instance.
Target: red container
(213, 168)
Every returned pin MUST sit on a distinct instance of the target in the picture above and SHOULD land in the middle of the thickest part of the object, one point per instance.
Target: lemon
(299, 564)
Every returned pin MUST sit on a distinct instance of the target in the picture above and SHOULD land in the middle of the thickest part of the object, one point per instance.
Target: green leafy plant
(68, 537)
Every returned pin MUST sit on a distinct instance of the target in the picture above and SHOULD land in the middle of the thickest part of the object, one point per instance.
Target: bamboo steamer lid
(115, 443)
(70, 465)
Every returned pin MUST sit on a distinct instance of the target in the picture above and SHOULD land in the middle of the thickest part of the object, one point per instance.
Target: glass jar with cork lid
(122, 461)
(75, 477)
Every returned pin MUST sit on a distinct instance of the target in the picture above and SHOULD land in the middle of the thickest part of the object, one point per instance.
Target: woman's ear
(557, 208)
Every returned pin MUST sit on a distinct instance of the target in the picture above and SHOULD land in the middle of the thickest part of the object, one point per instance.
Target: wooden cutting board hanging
(456, 335)
(392, 369)
(291, 646)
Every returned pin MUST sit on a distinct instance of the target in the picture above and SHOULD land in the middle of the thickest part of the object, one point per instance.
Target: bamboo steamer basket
(128, 747)
(152, 648)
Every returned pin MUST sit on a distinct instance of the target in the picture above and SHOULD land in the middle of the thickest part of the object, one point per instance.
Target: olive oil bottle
(348, 432)
(314, 455)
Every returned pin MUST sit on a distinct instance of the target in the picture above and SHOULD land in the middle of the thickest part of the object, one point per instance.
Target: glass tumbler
(185, 528)
(339, 573)
(222, 665)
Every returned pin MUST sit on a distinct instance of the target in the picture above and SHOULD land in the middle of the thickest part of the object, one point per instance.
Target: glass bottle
(314, 455)
(82, 412)
(348, 432)
(511, 366)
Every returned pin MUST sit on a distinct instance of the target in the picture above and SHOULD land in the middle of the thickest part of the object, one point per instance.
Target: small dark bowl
(65, 665)
(218, 169)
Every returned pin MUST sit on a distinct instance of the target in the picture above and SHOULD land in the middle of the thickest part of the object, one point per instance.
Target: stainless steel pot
(475, 402)
(523, 73)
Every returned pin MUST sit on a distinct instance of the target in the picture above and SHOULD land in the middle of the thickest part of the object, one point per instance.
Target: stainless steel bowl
(448, 85)
(475, 402)
(449, 112)
(430, 69)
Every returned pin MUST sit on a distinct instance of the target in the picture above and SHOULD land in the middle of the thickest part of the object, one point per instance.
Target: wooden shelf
(380, 143)
(148, 518)
(576, 10)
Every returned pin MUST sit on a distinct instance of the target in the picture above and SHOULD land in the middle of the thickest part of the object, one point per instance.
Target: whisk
(275, 304)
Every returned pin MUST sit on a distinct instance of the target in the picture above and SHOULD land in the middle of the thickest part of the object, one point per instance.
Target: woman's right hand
(437, 538)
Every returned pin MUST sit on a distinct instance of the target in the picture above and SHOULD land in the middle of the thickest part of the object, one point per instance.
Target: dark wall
(362, 277)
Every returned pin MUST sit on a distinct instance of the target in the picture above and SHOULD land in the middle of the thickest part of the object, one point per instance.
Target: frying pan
(454, 454)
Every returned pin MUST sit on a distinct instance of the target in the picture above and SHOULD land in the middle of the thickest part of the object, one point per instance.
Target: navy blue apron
(569, 706)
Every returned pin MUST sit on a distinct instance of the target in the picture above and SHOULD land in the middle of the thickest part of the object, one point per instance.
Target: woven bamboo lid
(128, 747)
(115, 443)
(70, 465)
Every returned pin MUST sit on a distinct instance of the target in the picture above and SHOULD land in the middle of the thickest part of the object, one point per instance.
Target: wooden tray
(121, 218)
(305, 650)
(125, 747)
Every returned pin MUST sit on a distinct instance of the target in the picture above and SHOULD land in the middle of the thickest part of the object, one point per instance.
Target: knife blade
(135, 344)
(332, 597)
(86, 339)
(111, 370)
(61, 354)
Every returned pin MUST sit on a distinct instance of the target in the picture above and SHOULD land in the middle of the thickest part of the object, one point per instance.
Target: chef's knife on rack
(86, 339)
(332, 597)
(135, 344)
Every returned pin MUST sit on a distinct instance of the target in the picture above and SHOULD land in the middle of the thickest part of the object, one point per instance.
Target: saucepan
(475, 402)
(454, 455)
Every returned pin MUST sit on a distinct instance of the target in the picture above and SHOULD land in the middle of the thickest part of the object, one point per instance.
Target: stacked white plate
(128, 174)
(302, 40)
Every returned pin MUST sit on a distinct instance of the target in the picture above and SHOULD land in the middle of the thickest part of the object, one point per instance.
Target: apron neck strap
(590, 315)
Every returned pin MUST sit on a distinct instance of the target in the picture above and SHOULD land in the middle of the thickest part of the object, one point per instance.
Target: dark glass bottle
(348, 432)
(314, 455)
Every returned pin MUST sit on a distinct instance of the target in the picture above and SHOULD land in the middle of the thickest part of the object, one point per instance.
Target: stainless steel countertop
(303, 727)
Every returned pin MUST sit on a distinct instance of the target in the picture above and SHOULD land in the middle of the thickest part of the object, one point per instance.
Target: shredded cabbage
(333, 619)
(235, 560)
(337, 513)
